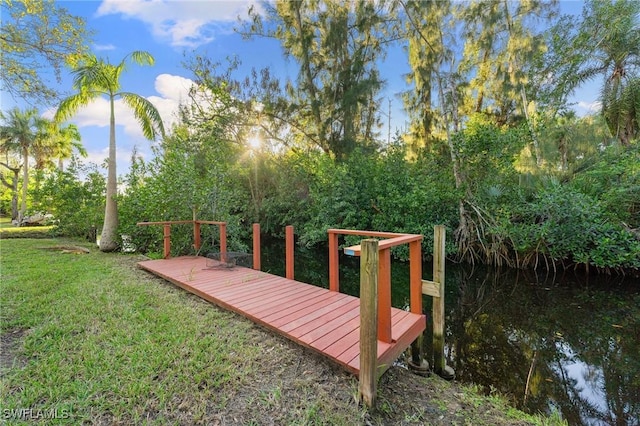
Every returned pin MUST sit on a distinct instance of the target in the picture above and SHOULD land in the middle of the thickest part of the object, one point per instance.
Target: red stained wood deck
(317, 318)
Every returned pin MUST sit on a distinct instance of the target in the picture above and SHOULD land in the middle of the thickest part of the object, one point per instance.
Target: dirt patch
(10, 342)
(68, 249)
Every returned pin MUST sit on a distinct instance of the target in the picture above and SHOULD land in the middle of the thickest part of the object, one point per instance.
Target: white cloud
(101, 47)
(583, 108)
(173, 91)
(181, 23)
(99, 158)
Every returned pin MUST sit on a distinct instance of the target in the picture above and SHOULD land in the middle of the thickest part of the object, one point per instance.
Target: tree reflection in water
(549, 344)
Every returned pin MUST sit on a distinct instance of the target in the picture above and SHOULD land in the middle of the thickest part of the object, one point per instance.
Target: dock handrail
(392, 239)
(197, 242)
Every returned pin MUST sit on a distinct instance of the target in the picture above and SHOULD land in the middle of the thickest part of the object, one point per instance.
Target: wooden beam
(368, 322)
(334, 271)
(167, 241)
(256, 246)
(197, 241)
(385, 244)
(430, 288)
(384, 295)
(365, 233)
(439, 363)
(415, 276)
(289, 252)
(352, 251)
(223, 241)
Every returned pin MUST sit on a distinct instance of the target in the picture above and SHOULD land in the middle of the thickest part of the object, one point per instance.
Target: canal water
(562, 342)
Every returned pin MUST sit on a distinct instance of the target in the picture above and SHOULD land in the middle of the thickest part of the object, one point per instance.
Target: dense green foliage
(492, 149)
(75, 197)
(37, 39)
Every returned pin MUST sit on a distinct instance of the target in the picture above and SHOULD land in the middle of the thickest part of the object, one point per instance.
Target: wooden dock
(325, 321)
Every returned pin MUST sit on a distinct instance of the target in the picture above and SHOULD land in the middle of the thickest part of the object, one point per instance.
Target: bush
(566, 225)
(75, 197)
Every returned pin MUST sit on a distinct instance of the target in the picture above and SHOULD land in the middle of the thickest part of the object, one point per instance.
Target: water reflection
(549, 346)
(565, 342)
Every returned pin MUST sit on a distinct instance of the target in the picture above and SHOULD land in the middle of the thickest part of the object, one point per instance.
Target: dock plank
(315, 317)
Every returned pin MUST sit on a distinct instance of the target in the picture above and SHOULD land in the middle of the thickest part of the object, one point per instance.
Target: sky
(172, 31)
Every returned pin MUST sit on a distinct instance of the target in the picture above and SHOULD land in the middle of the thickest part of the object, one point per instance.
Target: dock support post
(368, 322)
(289, 252)
(439, 363)
(196, 232)
(256, 246)
(167, 241)
(223, 242)
(384, 295)
(417, 364)
(334, 273)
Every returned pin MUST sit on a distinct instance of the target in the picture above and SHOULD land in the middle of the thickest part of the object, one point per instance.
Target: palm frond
(70, 105)
(146, 114)
(142, 57)
(87, 73)
(139, 57)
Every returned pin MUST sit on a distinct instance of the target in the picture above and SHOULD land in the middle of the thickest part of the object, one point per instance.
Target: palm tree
(94, 78)
(58, 144)
(66, 141)
(10, 164)
(612, 31)
(21, 132)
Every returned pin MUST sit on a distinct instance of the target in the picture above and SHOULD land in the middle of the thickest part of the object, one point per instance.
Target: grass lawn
(8, 230)
(92, 339)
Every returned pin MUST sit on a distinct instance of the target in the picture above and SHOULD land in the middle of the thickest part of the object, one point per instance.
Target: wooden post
(256, 246)
(167, 241)
(334, 270)
(368, 321)
(223, 242)
(196, 232)
(197, 242)
(415, 276)
(415, 291)
(289, 252)
(384, 295)
(439, 363)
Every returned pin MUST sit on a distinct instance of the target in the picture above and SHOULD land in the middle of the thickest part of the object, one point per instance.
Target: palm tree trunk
(25, 183)
(13, 187)
(108, 241)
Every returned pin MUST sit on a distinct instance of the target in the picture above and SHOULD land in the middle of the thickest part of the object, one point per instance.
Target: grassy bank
(8, 230)
(90, 338)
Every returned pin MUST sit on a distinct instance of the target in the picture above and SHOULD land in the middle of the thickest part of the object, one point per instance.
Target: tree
(337, 46)
(424, 23)
(94, 78)
(609, 38)
(58, 145)
(36, 38)
(21, 132)
(15, 177)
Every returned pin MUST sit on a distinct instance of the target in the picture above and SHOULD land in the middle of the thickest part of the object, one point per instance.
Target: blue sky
(169, 30)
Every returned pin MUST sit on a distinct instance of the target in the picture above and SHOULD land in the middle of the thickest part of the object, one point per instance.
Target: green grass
(110, 342)
(100, 341)
(8, 230)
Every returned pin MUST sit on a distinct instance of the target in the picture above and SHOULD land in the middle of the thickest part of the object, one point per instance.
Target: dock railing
(375, 288)
(391, 239)
(197, 242)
